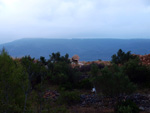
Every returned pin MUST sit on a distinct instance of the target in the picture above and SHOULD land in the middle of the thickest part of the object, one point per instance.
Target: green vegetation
(25, 82)
(127, 106)
(137, 73)
(122, 57)
(13, 84)
(113, 82)
(69, 97)
(133, 68)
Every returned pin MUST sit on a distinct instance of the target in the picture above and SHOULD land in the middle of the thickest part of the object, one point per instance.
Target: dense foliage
(126, 106)
(137, 73)
(122, 57)
(113, 82)
(69, 97)
(13, 84)
(133, 68)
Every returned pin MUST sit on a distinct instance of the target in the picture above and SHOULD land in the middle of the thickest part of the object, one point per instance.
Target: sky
(74, 19)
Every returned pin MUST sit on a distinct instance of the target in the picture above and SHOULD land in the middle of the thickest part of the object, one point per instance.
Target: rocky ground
(145, 59)
(88, 100)
(142, 100)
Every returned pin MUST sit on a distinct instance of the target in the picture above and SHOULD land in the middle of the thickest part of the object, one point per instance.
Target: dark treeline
(24, 81)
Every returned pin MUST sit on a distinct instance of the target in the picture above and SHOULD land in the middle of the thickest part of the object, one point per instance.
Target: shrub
(60, 109)
(55, 109)
(122, 57)
(127, 106)
(13, 84)
(66, 86)
(69, 97)
(136, 72)
(87, 68)
(113, 82)
(60, 78)
(85, 84)
(124, 109)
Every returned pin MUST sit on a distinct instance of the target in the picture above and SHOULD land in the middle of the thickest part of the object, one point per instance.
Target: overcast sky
(74, 19)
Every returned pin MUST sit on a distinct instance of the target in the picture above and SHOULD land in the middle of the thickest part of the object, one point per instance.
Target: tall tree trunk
(25, 103)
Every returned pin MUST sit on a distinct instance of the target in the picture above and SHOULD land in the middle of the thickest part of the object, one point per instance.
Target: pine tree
(13, 83)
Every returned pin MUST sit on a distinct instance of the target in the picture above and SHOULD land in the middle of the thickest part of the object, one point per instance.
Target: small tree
(13, 84)
(94, 72)
(137, 72)
(56, 57)
(122, 57)
(69, 97)
(36, 74)
(114, 83)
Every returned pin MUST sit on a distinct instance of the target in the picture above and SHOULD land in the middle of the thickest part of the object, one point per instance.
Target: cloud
(75, 18)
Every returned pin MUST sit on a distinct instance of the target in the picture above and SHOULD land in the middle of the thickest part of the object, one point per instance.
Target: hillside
(57, 85)
(87, 49)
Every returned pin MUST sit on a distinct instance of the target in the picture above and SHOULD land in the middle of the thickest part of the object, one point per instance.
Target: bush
(87, 68)
(60, 109)
(124, 109)
(127, 106)
(122, 57)
(113, 82)
(60, 78)
(66, 86)
(13, 84)
(69, 97)
(136, 72)
(85, 84)
(55, 109)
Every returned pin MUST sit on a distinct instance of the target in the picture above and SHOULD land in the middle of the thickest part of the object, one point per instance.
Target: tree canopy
(122, 57)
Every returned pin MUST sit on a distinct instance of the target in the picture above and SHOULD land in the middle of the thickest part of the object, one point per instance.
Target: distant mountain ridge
(87, 49)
